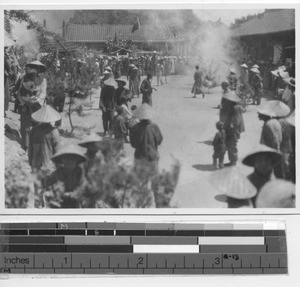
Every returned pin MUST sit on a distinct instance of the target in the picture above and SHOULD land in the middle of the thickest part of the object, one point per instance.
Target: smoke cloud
(215, 48)
(25, 37)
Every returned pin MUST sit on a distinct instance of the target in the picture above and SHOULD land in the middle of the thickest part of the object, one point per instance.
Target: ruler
(143, 248)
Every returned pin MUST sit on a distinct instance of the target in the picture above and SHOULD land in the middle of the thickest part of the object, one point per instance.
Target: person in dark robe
(107, 104)
(119, 130)
(219, 145)
(44, 138)
(257, 86)
(276, 132)
(94, 145)
(264, 160)
(69, 175)
(146, 90)
(145, 137)
(122, 91)
(271, 134)
(231, 115)
(197, 87)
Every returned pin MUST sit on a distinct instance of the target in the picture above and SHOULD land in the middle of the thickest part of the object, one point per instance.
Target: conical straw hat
(70, 149)
(275, 73)
(274, 108)
(261, 149)
(37, 65)
(108, 68)
(46, 114)
(291, 118)
(231, 96)
(255, 66)
(144, 112)
(255, 70)
(91, 138)
(122, 79)
(283, 74)
(244, 66)
(277, 193)
(231, 182)
(111, 82)
(232, 70)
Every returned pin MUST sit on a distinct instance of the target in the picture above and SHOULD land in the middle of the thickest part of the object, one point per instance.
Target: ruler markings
(271, 258)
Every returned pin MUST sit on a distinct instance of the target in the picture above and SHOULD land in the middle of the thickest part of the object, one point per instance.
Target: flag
(136, 25)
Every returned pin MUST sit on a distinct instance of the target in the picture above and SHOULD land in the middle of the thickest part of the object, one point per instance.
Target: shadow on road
(209, 142)
(221, 197)
(12, 134)
(204, 167)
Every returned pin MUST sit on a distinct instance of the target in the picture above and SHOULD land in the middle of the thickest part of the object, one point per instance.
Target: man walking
(145, 137)
(146, 90)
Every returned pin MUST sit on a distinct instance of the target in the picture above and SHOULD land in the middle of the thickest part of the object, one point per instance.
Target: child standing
(119, 130)
(219, 145)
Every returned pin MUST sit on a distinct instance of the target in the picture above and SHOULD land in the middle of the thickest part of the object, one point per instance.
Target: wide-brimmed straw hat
(290, 81)
(283, 74)
(260, 150)
(110, 82)
(244, 66)
(277, 193)
(106, 72)
(231, 96)
(291, 118)
(232, 70)
(274, 108)
(108, 68)
(144, 112)
(231, 182)
(41, 68)
(46, 114)
(91, 138)
(122, 79)
(275, 73)
(255, 70)
(255, 66)
(70, 149)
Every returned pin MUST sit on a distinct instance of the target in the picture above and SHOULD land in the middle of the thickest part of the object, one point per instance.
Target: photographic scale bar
(137, 248)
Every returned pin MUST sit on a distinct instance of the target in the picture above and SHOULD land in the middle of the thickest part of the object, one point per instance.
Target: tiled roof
(101, 33)
(271, 21)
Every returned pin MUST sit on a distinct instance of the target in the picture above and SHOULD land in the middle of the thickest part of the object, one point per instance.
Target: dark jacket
(146, 88)
(43, 144)
(107, 99)
(219, 142)
(145, 137)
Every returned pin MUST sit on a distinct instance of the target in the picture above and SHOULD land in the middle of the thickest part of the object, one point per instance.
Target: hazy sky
(227, 15)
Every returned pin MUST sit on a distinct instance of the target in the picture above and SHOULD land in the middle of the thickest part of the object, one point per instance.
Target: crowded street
(111, 116)
(187, 137)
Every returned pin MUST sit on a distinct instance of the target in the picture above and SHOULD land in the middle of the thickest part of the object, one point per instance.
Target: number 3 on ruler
(217, 260)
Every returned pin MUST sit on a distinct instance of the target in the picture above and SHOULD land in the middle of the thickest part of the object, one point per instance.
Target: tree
(241, 20)
(19, 16)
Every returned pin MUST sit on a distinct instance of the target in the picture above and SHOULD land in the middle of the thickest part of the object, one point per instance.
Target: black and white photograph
(149, 108)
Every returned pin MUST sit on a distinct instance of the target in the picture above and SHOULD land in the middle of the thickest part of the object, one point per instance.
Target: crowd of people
(274, 158)
(120, 81)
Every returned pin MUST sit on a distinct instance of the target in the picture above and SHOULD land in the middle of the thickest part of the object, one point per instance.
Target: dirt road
(188, 127)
